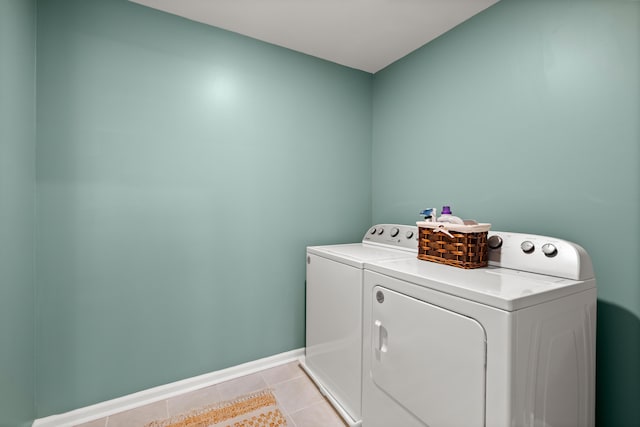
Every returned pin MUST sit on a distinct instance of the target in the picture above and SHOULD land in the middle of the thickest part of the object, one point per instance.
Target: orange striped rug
(258, 409)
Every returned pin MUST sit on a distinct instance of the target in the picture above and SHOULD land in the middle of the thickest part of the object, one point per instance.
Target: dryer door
(429, 360)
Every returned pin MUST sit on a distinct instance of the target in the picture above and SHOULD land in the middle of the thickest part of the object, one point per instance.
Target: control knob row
(495, 242)
(548, 249)
(394, 232)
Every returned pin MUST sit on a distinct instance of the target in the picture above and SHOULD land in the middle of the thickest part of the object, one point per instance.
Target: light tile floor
(297, 395)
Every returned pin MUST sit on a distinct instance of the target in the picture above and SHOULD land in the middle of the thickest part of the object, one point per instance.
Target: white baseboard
(124, 403)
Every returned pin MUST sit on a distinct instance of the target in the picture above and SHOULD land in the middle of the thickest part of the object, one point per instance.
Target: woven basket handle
(442, 229)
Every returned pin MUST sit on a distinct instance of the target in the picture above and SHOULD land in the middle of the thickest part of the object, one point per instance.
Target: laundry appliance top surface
(513, 279)
(381, 242)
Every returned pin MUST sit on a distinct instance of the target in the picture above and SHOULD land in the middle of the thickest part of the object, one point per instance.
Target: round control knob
(527, 247)
(494, 242)
(549, 250)
(373, 230)
(394, 232)
(408, 234)
(380, 231)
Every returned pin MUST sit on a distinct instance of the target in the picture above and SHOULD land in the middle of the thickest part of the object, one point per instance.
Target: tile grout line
(322, 402)
(319, 402)
(280, 382)
(298, 374)
(272, 386)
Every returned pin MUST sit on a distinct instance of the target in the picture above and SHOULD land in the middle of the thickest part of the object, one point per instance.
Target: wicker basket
(463, 246)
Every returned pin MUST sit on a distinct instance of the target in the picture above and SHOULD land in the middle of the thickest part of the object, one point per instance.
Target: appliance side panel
(334, 329)
(555, 363)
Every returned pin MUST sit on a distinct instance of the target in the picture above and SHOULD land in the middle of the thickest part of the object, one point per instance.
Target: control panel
(539, 254)
(397, 235)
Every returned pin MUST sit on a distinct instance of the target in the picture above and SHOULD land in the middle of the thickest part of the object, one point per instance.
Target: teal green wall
(182, 170)
(17, 196)
(527, 116)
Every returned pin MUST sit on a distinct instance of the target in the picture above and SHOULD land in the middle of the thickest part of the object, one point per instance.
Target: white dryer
(512, 344)
(333, 355)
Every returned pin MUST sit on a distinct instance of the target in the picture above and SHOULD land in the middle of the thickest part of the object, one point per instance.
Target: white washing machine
(512, 344)
(333, 355)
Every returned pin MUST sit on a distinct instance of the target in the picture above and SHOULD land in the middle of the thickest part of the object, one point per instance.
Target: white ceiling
(364, 34)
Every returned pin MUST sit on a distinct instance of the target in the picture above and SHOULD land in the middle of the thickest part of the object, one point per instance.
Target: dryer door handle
(380, 338)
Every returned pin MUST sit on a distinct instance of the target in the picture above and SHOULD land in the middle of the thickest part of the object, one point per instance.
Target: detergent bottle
(446, 216)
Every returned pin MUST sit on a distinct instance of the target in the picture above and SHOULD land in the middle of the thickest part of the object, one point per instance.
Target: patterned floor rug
(258, 409)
